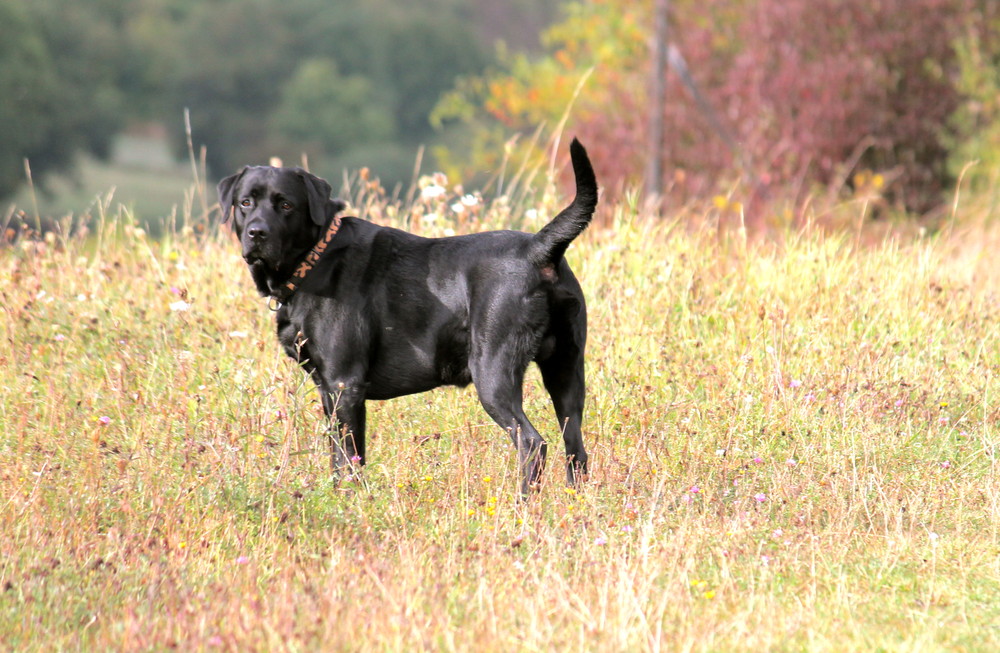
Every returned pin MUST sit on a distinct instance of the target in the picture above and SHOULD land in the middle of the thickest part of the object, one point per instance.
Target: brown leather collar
(284, 292)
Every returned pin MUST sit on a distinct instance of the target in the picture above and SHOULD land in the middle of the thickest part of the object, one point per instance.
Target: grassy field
(794, 447)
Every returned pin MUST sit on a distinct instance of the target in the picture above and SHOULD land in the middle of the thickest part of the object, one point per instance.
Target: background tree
(976, 123)
(60, 86)
(76, 74)
(803, 86)
(242, 72)
(322, 110)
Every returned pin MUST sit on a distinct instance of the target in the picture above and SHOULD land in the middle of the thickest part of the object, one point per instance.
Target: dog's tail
(551, 242)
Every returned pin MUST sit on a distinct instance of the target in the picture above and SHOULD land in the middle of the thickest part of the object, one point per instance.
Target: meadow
(794, 440)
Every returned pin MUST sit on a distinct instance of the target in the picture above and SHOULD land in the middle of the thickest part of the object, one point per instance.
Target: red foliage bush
(804, 86)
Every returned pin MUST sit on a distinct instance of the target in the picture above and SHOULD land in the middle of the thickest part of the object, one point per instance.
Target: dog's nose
(257, 233)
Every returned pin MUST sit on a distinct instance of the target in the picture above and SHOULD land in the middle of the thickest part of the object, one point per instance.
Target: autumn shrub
(797, 91)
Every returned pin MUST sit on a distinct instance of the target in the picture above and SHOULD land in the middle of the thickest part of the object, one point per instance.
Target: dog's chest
(291, 336)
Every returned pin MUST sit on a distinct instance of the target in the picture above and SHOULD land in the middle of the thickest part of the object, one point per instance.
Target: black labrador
(373, 312)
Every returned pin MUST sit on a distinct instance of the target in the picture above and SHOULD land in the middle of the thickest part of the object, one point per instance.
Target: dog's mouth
(253, 257)
(255, 261)
(261, 263)
(256, 255)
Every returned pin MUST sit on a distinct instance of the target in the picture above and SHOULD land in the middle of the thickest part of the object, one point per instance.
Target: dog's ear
(226, 199)
(321, 207)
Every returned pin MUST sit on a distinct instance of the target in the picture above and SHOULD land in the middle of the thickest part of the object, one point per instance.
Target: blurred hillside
(95, 92)
(768, 106)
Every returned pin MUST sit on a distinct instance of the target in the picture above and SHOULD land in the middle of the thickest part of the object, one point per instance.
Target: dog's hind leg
(498, 384)
(562, 374)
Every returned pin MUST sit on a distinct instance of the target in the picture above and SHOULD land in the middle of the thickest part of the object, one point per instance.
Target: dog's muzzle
(260, 246)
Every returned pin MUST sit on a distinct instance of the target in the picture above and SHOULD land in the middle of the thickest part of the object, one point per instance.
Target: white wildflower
(432, 192)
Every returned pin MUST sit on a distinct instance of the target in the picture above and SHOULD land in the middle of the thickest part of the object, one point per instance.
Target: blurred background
(94, 92)
(759, 98)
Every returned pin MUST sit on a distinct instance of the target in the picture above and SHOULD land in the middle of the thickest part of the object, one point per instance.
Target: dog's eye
(286, 206)
(246, 203)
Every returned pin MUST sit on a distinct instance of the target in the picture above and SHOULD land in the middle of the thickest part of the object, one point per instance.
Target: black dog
(375, 313)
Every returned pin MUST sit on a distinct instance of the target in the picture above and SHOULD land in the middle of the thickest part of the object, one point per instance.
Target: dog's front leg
(344, 406)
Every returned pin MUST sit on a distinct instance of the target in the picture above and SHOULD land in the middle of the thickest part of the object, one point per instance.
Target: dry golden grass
(794, 445)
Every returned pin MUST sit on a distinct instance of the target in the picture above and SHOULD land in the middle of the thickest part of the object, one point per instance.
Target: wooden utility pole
(658, 99)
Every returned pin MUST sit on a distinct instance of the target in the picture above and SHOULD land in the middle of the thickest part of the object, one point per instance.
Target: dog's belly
(405, 366)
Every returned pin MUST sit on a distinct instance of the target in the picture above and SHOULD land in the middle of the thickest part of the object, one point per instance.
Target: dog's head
(278, 213)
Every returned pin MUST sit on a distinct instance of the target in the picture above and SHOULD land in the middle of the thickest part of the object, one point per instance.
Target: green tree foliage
(62, 75)
(228, 63)
(331, 112)
(977, 120)
(260, 77)
(244, 67)
(27, 81)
